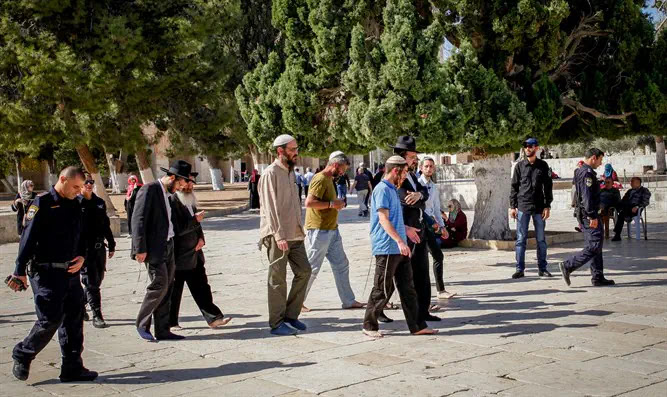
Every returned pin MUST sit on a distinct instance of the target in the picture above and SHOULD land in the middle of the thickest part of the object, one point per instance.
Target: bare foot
(426, 331)
(356, 305)
(372, 334)
(304, 309)
(220, 322)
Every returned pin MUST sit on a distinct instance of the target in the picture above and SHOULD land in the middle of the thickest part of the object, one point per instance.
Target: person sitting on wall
(456, 223)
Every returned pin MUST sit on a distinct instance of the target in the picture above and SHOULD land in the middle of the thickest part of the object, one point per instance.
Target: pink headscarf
(132, 183)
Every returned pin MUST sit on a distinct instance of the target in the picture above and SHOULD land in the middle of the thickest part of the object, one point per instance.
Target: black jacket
(53, 233)
(413, 215)
(187, 233)
(532, 187)
(150, 223)
(98, 225)
(588, 193)
(639, 197)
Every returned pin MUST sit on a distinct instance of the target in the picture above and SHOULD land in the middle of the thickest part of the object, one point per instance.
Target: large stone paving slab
(530, 337)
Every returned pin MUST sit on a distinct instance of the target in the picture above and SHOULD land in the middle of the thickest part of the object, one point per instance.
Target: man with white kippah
(323, 240)
(392, 255)
(281, 232)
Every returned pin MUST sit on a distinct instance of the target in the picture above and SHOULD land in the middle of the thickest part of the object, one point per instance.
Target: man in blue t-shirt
(392, 255)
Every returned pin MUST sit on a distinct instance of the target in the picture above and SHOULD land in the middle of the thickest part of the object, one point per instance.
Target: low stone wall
(465, 192)
(8, 228)
(531, 243)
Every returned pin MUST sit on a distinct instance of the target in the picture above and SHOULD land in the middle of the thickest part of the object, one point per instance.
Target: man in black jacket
(638, 196)
(153, 244)
(530, 197)
(98, 229)
(413, 197)
(189, 258)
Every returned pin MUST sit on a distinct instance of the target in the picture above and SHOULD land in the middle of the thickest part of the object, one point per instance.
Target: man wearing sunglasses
(98, 227)
(530, 197)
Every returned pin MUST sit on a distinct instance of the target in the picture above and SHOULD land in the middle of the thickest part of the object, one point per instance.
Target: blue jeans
(328, 244)
(523, 219)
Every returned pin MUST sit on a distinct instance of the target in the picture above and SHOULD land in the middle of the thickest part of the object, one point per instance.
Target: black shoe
(517, 274)
(602, 282)
(617, 237)
(564, 272)
(544, 273)
(86, 317)
(431, 317)
(169, 336)
(21, 370)
(82, 375)
(98, 322)
(360, 214)
(384, 319)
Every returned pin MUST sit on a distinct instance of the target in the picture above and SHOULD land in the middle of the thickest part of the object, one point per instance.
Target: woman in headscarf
(456, 223)
(609, 173)
(252, 187)
(24, 199)
(133, 186)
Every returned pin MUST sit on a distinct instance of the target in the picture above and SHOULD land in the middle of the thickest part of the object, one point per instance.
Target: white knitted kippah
(283, 140)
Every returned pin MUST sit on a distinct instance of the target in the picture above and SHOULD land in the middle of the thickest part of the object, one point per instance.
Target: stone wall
(624, 165)
(8, 228)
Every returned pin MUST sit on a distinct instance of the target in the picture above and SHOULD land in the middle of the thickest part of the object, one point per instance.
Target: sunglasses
(89, 182)
(529, 146)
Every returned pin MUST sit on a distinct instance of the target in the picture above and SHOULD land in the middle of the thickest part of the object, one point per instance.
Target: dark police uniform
(98, 228)
(588, 207)
(52, 237)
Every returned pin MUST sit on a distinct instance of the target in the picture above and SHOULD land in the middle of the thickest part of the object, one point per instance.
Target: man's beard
(290, 162)
(171, 186)
(188, 199)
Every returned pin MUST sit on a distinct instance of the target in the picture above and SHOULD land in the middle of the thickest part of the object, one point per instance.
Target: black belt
(54, 265)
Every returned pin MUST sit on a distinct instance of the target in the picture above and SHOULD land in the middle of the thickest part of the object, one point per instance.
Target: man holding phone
(189, 257)
(53, 241)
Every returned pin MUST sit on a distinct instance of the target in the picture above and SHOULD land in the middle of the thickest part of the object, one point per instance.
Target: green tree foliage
(355, 74)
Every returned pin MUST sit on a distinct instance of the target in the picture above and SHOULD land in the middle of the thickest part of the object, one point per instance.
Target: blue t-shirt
(385, 195)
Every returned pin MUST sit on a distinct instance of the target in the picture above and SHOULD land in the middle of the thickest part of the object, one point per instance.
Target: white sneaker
(446, 295)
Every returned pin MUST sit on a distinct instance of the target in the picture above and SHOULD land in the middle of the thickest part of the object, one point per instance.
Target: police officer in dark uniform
(53, 242)
(588, 215)
(98, 228)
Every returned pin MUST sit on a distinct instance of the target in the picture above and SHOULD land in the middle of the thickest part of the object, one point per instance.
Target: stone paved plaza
(532, 337)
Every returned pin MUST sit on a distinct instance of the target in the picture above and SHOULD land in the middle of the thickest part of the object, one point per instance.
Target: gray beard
(188, 199)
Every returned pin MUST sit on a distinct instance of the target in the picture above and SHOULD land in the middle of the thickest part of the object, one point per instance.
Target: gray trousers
(158, 294)
(282, 306)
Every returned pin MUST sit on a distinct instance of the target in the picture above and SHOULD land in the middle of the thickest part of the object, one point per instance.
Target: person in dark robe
(24, 199)
(133, 186)
(252, 187)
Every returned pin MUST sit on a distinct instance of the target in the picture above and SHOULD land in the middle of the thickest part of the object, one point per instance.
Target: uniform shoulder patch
(589, 181)
(32, 211)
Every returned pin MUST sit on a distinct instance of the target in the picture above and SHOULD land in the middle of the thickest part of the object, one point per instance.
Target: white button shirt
(170, 234)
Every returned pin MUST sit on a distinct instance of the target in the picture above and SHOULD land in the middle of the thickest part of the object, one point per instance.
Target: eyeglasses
(529, 146)
(89, 182)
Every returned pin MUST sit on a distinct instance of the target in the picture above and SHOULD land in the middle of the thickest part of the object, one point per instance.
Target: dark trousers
(300, 191)
(158, 294)
(438, 257)
(421, 275)
(592, 251)
(59, 307)
(201, 293)
(397, 268)
(623, 212)
(305, 191)
(92, 274)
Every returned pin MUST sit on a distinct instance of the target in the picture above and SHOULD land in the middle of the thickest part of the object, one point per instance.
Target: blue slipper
(283, 330)
(296, 324)
(146, 335)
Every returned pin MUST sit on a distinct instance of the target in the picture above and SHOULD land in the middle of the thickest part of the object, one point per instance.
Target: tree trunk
(145, 170)
(216, 172)
(113, 175)
(89, 163)
(260, 160)
(19, 179)
(121, 171)
(660, 154)
(492, 179)
(8, 186)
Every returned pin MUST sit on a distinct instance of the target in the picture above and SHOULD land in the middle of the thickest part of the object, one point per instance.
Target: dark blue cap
(530, 141)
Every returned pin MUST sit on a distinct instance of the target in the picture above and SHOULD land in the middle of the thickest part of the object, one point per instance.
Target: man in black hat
(153, 244)
(189, 258)
(413, 197)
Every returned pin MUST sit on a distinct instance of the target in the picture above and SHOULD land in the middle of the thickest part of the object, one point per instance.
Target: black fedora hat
(180, 168)
(406, 142)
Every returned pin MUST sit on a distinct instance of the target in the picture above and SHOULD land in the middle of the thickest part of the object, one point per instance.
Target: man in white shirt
(307, 178)
(432, 209)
